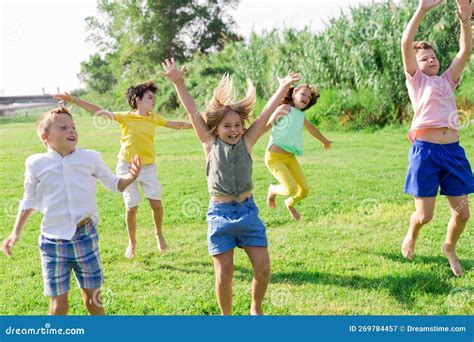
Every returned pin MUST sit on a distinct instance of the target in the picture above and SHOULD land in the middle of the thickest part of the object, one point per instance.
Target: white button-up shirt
(63, 189)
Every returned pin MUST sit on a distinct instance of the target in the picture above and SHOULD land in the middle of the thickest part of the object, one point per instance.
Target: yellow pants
(286, 169)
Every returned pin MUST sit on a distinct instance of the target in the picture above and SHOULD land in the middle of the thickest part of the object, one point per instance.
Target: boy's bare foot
(295, 215)
(162, 246)
(256, 312)
(130, 252)
(450, 253)
(271, 198)
(408, 247)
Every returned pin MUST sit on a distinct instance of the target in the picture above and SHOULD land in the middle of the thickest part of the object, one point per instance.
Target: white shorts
(148, 180)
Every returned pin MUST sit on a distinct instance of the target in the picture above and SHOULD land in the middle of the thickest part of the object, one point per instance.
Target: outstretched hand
(464, 11)
(291, 78)
(66, 97)
(171, 70)
(429, 4)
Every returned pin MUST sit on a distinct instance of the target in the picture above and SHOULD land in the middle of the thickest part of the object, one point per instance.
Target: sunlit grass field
(343, 258)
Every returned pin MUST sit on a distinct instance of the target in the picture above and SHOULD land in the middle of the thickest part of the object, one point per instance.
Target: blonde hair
(223, 101)
(46, 119)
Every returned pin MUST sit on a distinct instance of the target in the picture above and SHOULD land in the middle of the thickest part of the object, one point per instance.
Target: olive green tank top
(229, 169)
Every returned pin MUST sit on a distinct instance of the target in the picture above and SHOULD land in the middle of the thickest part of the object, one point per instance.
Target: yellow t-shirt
(138, 135)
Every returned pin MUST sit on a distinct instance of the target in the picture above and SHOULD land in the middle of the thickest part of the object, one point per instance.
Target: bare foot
(408, 247)
(271, 198)
(294, 214)
(130, 252)
(256, 312)
(450, 253)
(162, 246)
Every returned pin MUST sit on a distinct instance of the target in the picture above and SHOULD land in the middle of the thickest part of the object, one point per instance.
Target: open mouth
(71, 139)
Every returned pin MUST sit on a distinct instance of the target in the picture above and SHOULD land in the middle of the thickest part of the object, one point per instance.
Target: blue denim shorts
(432, 166)
(60, 257)
(233, 225)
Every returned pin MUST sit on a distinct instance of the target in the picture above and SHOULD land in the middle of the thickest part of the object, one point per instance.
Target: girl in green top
(286, 142)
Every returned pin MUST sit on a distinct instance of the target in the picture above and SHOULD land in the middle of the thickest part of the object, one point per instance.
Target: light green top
(287, 132)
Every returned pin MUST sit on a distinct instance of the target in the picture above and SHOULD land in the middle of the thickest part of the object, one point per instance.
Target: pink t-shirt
(432, 100)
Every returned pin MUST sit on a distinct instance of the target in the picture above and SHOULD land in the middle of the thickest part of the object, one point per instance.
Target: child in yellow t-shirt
(138, 138)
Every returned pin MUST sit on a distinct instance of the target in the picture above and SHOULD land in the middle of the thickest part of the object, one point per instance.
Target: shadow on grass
(428, 260)
(404, 288)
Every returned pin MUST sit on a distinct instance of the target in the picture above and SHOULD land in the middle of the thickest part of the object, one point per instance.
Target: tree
(140, 34)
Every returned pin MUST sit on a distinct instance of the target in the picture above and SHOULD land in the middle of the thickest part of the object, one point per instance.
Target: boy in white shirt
(61, 184)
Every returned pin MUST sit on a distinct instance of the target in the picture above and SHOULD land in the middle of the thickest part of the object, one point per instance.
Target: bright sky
(43, 41)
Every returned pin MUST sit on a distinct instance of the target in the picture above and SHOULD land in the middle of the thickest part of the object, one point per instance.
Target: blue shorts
(233, 225)
(438, 165)
(60, 257)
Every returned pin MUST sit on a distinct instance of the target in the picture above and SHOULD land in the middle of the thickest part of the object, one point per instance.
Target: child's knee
(224, 274)
(423, 218)
(59, 306)
(462, 216)
(156, 205)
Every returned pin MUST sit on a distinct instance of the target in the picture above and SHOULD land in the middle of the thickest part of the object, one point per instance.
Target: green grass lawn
(342, 258)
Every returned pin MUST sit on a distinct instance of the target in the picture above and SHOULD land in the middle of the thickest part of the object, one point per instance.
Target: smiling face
(301, 97)
(427, 61)
(147, 103)
(61, 136)
(230, 129)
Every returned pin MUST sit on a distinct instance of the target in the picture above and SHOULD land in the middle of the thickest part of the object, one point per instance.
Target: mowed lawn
(343, 258)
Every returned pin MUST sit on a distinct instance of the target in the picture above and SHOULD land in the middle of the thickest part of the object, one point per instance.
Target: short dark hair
(138, 91)
(422, 45)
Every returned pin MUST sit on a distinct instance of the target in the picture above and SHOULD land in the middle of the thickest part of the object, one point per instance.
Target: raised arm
(175, 75)
(91, 108)
(281, 110)
(408, 37)
(464, 13)
(259, 126)
(178, 125)
(317, 134)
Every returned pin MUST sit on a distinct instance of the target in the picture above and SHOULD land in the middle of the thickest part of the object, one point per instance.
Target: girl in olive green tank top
(286, 142)
(233, 220)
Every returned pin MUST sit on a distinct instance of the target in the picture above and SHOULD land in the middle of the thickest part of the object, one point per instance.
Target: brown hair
(422, 45)
(223, 101)
(138, 91)
(288, 99)
(46, 119)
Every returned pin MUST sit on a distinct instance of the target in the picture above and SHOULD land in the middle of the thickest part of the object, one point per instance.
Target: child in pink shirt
(436, 160)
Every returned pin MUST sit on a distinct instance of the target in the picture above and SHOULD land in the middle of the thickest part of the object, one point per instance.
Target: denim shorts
(233, 225)
(432, 166)
(60, 257)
